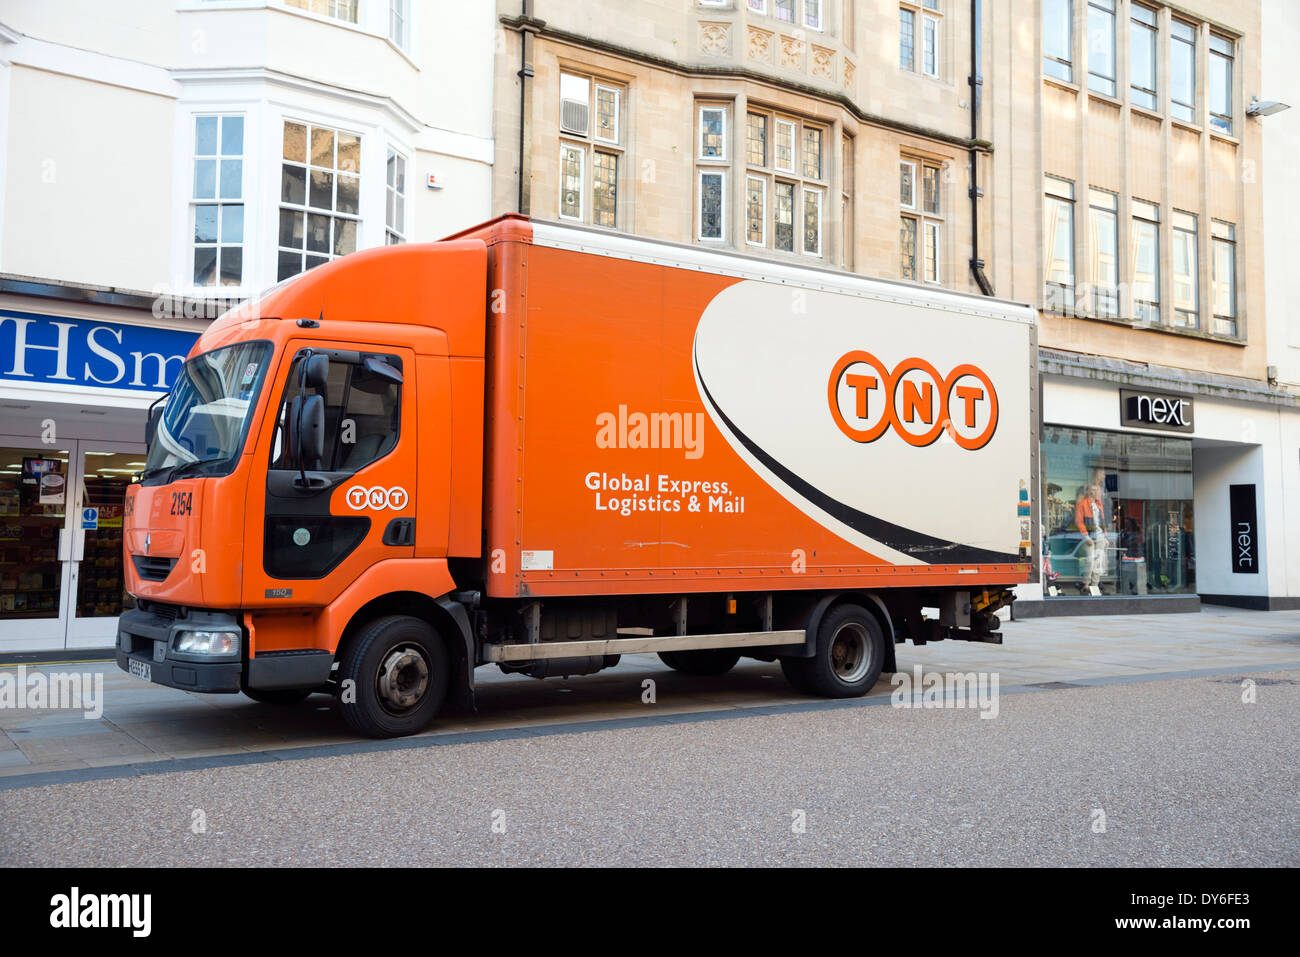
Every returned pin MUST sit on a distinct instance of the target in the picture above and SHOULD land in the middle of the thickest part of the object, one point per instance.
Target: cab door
(314, 526)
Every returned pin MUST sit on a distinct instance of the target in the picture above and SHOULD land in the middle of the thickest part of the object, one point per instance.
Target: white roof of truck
(742, 266)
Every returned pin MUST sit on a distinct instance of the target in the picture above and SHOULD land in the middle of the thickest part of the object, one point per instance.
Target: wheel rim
(402, 679)
(850, 652)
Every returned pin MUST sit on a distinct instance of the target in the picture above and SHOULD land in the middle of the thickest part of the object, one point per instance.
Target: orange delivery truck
(542, 446)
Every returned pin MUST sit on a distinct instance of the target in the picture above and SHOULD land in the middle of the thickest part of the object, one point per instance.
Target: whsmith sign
(55, 350)
(1155, 410)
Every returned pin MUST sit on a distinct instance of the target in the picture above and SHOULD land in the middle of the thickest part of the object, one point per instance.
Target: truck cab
(305, 476)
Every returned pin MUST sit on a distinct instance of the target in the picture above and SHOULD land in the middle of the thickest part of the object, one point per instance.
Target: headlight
(208, 643)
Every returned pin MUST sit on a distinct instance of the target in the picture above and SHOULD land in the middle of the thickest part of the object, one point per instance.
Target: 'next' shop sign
(56, 350)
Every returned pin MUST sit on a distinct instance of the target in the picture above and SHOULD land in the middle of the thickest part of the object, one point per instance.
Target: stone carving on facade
(849, 69)
(759, 46)
(823, 62)
(715, 39)
(791, 52)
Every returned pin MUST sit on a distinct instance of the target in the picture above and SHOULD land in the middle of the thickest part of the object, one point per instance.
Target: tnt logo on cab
(867, 400)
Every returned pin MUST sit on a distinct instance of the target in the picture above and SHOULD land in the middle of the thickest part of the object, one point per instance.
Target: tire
(849, 658)
(280, 696)
(399, 671)
(707, 662)
(794, 675)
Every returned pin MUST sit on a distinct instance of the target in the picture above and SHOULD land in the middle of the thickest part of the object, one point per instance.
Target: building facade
(814, 131)
(1096, 158)
(159, 160)
(1168, 443)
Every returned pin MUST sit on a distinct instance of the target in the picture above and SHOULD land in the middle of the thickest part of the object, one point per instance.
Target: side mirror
(382, 369)
(306, 427)
(151, 425)
(316, 372)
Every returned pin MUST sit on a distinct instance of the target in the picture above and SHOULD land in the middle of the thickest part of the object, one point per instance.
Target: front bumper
(145, 640)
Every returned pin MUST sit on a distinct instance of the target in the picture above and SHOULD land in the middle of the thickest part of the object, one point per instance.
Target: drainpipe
(976, 81)
(525, 110)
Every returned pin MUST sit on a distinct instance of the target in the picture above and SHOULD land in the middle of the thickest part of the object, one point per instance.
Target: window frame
(925, 220)
(597, 86)
(595, 165)
(1067, 66)
(820, 193)
(795, 178)
(1108, 9)
(1096, 211)
(762, 182)
(907, 14)
(1063, 193)
(221, 203)
(591, 144)
(1181, 232)
(1138, 214)
(912, 203)
(580, 149)
(749, 139)
(1176, 105)
(793, 127)
(1222, 122)
(820, 7)
(1151, 30)
(794, 214)
(929, 20)
(721, 173)
(1223, 235)
(401, 195)
(306, 209)
(400, 11)
(724, 112)
(327, 17)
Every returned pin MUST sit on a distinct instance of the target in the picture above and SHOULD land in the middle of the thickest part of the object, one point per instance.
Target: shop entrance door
(97, 588)
(61, 579)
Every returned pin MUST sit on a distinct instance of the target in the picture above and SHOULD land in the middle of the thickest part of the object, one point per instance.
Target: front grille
(168, 613)
(153, 568)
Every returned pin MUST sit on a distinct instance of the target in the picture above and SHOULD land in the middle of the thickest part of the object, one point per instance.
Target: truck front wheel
(705, 661)
(849, 657)
(393, 677)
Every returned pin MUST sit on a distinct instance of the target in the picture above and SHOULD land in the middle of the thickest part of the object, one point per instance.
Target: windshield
(206, 417)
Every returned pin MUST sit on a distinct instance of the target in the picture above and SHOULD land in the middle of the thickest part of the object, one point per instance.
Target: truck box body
(669, 419)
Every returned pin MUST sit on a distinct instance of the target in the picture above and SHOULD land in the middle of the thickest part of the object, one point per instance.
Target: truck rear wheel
(705, 661)
(398, 671)
(849, 657)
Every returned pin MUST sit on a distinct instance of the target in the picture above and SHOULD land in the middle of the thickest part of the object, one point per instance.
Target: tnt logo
(867, 400)
(360, 498)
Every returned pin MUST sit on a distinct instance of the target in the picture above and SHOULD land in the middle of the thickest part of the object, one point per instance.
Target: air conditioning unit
(573, 117)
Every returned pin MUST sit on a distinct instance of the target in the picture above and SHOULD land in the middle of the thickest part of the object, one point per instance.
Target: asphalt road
(1183, 771)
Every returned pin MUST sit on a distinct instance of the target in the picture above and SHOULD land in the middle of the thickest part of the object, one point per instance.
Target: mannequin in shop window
(1089, 520)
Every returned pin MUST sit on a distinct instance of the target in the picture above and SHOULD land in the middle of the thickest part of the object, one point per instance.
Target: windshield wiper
(184, 467)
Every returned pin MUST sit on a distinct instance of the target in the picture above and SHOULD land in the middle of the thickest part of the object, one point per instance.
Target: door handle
(65, 545)
(79, 545)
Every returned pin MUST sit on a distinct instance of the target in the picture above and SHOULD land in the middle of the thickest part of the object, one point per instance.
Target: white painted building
(158, 160)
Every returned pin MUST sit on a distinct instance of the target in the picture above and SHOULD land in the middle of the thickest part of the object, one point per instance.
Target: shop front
(1160, 489)
(75, 387)
(1118, 514)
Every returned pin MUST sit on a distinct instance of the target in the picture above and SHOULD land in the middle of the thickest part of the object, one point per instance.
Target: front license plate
(141, 669)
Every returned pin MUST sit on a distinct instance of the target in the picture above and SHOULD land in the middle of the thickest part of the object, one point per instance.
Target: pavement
(1139, 718)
